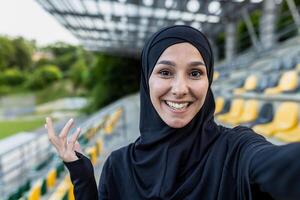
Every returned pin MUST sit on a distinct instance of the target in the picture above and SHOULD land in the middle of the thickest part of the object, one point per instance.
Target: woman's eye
(195, 74)
(165, 73)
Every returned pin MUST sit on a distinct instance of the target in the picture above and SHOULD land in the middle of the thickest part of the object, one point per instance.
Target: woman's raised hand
(66, 149)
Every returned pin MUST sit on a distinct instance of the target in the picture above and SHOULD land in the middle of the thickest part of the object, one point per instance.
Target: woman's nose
(179, 87)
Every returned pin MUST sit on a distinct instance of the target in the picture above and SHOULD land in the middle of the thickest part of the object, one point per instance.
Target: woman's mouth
(179, 107)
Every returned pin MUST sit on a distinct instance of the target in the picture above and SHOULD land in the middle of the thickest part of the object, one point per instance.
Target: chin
(176, 124)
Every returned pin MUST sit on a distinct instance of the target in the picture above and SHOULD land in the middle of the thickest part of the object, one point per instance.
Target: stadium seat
(92, 153)
(250, 84)
(297, 67)
(249, 113)
(236, 109)
(99, 145)
(282, 121)
(44, 186)
(292, 135)
(288, 82)
(61, 192)
(35, 192)
(219, 104)
(267, 81)
(51, 178)
(265, 115)
(216, 76)
(226, 107)
(60, 167)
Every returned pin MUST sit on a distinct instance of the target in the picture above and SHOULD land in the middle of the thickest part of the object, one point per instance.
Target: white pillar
(267, 24)
(230, 41)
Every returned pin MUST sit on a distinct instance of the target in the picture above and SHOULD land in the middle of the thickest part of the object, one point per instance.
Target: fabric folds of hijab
(165, 162)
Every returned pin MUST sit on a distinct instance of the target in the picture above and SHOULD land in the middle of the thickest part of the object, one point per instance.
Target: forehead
(181, 51)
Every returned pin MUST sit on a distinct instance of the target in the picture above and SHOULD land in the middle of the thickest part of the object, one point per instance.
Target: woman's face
(178, 84)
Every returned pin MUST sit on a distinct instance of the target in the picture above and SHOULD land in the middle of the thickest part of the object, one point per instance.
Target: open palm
(65, 148)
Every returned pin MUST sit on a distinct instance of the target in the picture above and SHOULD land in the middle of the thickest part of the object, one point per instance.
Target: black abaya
(199, 161)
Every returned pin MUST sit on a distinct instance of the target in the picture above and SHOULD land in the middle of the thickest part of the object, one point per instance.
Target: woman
(181, 152)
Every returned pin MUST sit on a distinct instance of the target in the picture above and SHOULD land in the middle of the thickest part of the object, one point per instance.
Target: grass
(11, 127)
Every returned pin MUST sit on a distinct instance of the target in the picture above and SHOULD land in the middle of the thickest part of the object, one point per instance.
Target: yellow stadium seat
(298, 67)
(286, 118)
(219, 104)
(250, 112)
(51, 178)
(287, 82)
(35, 192)
(108, 129)
(99, 145)
(62, 189)
(250, 84)
(92, 152)
(71, 193)
(216, 76)
(292, 135)
(235, 110)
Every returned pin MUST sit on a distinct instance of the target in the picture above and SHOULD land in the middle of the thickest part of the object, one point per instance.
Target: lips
(177, 107)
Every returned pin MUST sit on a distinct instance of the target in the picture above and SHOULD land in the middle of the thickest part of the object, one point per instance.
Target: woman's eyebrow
(196, 63)
(166, 62)
(192, 64)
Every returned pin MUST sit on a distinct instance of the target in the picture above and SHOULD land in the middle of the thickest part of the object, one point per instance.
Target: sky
(28, 19)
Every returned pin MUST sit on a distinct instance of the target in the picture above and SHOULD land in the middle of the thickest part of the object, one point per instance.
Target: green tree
(111, 78)
(78, 73)
(7, 53)
(64, 55)
(12, 77)
(44, 76)
(286, 27)
(23, 53)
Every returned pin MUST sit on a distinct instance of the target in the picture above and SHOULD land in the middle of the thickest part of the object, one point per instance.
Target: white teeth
(177, 105)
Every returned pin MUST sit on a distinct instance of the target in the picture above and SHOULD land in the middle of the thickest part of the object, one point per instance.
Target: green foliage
(7, 53)
(23, 53)
(111, 78)
(44, 76)
(78, 73)
(44, 61)
(220, 42)
(4, 89)
(285, 26)
(64, 55)
(15, 52)
(57, 90)
(12, 77)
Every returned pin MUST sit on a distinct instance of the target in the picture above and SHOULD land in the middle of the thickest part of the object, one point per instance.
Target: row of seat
(271, 84)
(65, 190)
(40, 187)
(282, 124)
(288, 62)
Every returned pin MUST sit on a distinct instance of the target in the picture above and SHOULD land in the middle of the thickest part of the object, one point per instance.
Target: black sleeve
(83, 179)
(276, 170)
(105, 181)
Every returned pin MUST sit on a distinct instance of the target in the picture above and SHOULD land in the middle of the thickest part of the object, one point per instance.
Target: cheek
(200, 90)
(157, 87)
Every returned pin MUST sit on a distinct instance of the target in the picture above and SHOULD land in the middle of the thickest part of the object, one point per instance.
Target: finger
(51, 134)
(71, 143)
(64, 132)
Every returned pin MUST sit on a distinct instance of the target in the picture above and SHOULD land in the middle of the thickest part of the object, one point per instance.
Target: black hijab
(164, 160)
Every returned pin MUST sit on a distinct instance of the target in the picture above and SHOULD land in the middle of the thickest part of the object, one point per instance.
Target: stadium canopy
(121, 26)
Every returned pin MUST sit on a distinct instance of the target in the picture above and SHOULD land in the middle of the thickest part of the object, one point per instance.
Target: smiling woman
(181, 152)
(178, 84)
